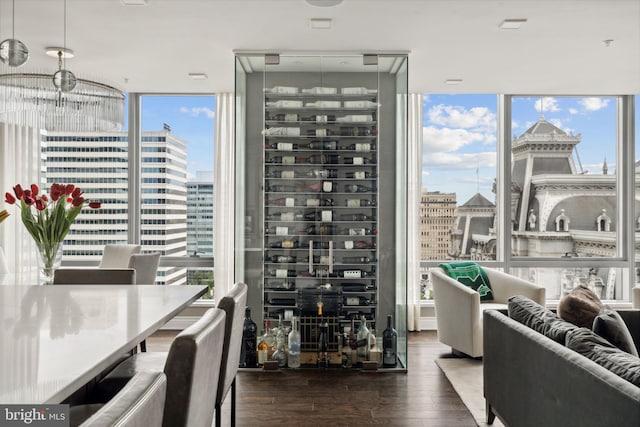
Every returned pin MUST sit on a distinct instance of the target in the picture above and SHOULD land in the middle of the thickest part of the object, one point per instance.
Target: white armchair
(459, 309)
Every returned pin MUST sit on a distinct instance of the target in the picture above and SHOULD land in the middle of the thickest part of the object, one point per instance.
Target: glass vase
(49, 259)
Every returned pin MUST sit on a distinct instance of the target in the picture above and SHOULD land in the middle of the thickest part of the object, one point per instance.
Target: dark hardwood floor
(421, 397)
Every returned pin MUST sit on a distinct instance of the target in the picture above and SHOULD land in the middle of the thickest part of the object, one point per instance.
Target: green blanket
(472, 275)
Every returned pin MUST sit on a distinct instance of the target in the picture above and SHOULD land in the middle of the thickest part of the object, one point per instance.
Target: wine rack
(320, 183)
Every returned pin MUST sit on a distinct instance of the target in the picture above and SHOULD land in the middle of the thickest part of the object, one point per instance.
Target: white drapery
(224, 185)
(20, 163)
(414, 188)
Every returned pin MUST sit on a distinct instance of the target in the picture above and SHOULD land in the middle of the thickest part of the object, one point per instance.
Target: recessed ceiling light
(324, 3)
(607, 42)
(53, 51)
(320, 23)
(453, 81)
(134, 2)
(512, 24)
(197, 76)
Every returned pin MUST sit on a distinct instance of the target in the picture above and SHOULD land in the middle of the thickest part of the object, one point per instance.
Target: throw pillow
(580, 306)
(610, 326)
(539, 318)
(472, 275)
(605, 354)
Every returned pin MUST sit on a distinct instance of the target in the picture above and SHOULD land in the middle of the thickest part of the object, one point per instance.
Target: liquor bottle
(282, 146)
(323, 145)
(356, 260)
(249, 340)
(263, 347)
(282, 272)
(322, 173)
(358, 188)
(363, 339)
(358, 175)
(389, 345)
(294, 344)
(354, 203)
(286, 244)
(280, 354)
(270, 339)
(323, 344)
(282, 259)
(357, 161)
(356, 217)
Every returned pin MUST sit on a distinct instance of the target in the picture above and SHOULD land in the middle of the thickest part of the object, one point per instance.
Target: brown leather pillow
(580, 306)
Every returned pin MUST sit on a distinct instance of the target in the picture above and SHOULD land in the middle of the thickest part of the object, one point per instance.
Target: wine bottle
(285, 244)
(357, 161)
(358, 175)
(280, 188)
(363, 339)
(359, 244)
(354, 231)
(319, 132)
(284, 117)
(321, 229)
(354, 203)
(328, 159)
(285, 160)
(320, 118)
(356, 300)
(278, 230)
(319, 215)
(282, 272)
(282, 201)
(355, 260)
(282, 146)
(322, 173)
(358, 188)
(317, 186)
(318, 244)
(361, 146)
(286, 174)
(294, 344)
(282, 259)
(356, 217)
(249, 341)
(389, 345)
(353, 274)
(322, 145)
(284, 216)
(319, 259)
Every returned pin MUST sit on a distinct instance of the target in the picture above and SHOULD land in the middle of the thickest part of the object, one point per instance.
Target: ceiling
(152, 48)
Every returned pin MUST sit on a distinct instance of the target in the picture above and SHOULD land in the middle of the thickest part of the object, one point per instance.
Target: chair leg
(143, 346)
(218, 415)
(233, 403)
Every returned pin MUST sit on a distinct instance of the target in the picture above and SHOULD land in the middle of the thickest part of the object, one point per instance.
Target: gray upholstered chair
(94, 276)
(146, 266)
(192, 366)
(117, 256)
(233, 304)
(459, 309)
(139, 403)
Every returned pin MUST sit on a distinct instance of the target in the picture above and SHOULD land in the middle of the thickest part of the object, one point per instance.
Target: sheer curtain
(20, 163)
(414, 181)
(224, 184)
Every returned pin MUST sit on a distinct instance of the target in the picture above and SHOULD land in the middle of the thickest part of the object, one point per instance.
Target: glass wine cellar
(321, 198)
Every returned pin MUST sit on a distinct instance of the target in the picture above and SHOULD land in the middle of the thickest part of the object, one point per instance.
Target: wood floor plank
(420, 397)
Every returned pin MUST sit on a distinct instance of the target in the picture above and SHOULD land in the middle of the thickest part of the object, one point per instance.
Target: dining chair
(94, 276)
(192, 366)
(146, 266)
(117, 256)
(233, 304)
(140, 402)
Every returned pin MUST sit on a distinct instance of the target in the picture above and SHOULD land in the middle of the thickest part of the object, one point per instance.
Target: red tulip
(56, 191)
(26, 193)
(76, 193)
(8, 198)
(44, 197)
(68, 189)
(34, 189)
(39, 205)
(28, 200)
(95, 205)
(78, 202)
(18, 191)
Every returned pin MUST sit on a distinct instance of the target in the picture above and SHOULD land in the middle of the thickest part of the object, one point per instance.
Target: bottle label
(287, 216)
(313, 202)
(281, 273)
(321, 132)
(363, 147)
(352, 274)
(288, 160)
(357, 232)
(356, 160)
(327, 186)
(348, 244)
(322, 118)
(325, 260)
(286, 146)
(327, 216)
(352, 301)
(287, 174)
(353, 203)
(287, 244)
(282, 231)
(290, 117)
(290, 202)
(359, 175)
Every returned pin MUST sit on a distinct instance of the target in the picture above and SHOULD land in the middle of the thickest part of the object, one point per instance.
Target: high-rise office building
(98, 163)
(437, 219)
(200, 214)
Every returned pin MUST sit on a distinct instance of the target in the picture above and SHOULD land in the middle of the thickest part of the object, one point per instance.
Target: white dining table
(56, 338)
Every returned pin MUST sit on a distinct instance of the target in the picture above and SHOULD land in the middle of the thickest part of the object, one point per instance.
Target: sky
(460, 136)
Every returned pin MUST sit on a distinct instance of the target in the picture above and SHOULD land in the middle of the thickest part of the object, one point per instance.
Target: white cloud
(447, 140)
(196, 111)
(547, 104)
(593, 104)
(573, 111)
(460, 160)
(459, 117)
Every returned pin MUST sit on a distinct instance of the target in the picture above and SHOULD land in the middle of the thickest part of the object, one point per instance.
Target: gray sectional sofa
(532, 380)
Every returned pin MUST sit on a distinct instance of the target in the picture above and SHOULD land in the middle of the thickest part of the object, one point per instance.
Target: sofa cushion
(610, 326)
(605, 354)
(472, 275)
(539, 318)
(580, 306)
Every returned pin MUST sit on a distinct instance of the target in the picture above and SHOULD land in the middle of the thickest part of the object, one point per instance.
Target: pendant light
(13, 52)
(64, 80)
